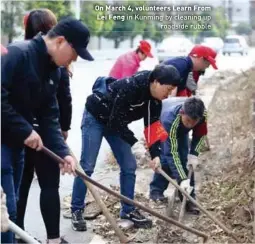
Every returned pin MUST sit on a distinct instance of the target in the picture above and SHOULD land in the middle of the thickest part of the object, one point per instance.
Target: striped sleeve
(196, 145)
(176, 166)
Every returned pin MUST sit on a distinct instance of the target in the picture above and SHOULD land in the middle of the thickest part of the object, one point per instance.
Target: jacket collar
(44, 58)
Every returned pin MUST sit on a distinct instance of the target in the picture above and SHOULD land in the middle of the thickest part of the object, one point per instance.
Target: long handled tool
(119, 233)
(229, 232)
(184, 201)
(21, 233)
(125, 199)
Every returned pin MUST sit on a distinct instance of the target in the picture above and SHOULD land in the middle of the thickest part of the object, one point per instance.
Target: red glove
(155, 132)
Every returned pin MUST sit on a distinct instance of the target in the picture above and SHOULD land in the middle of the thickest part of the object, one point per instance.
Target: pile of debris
(230, 197)
(228, 172)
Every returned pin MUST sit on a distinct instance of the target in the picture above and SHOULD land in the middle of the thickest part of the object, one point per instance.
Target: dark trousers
(48, 174)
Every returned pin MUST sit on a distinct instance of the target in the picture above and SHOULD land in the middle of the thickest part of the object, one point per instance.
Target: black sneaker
(138, 219)
(158, 197)
(192, 208)
(78, 221)
(62, 240)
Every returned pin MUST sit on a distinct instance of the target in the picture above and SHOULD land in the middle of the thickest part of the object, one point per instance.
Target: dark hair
(39, 20)
(138, 50)
(165, 74)
(194, 108)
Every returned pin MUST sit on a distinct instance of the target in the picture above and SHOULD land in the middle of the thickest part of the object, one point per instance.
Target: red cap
(206, 52)
(3, 50)
(145, 47)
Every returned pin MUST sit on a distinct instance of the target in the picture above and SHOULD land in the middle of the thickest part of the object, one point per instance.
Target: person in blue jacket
(176, 155)
(191, 67)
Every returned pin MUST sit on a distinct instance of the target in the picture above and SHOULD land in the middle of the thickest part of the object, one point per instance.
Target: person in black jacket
(42, 20)
(28, 91)
(113, 105)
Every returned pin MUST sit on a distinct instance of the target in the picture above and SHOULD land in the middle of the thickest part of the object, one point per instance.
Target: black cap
(76, 33)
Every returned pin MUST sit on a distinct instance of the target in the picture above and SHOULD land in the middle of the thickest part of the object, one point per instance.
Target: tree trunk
(132, 42)
(11, 33)
(116, 43)
(99, 42)
(10, 37)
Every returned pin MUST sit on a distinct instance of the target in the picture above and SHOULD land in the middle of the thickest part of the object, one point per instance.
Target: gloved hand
(185, 185)
(4, 213)
(192, 161)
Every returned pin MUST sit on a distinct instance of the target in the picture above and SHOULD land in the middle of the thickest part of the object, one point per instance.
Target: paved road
(85, 74)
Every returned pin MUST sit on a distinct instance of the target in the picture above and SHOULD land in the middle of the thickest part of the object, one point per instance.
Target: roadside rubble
(228, 173)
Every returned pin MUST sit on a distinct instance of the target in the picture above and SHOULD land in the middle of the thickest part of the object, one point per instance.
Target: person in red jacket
(128, 64)
(3, 50)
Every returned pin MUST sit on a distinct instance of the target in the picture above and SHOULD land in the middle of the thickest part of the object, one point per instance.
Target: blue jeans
(92, 135)
(11, 174)
(159, 184)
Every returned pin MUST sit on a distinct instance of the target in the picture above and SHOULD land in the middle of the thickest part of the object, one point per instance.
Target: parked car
(235, 44)
(215, 43)
(174, 47)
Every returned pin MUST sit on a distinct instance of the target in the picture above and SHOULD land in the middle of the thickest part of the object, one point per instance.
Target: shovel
(21, 233)
(184, 200)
